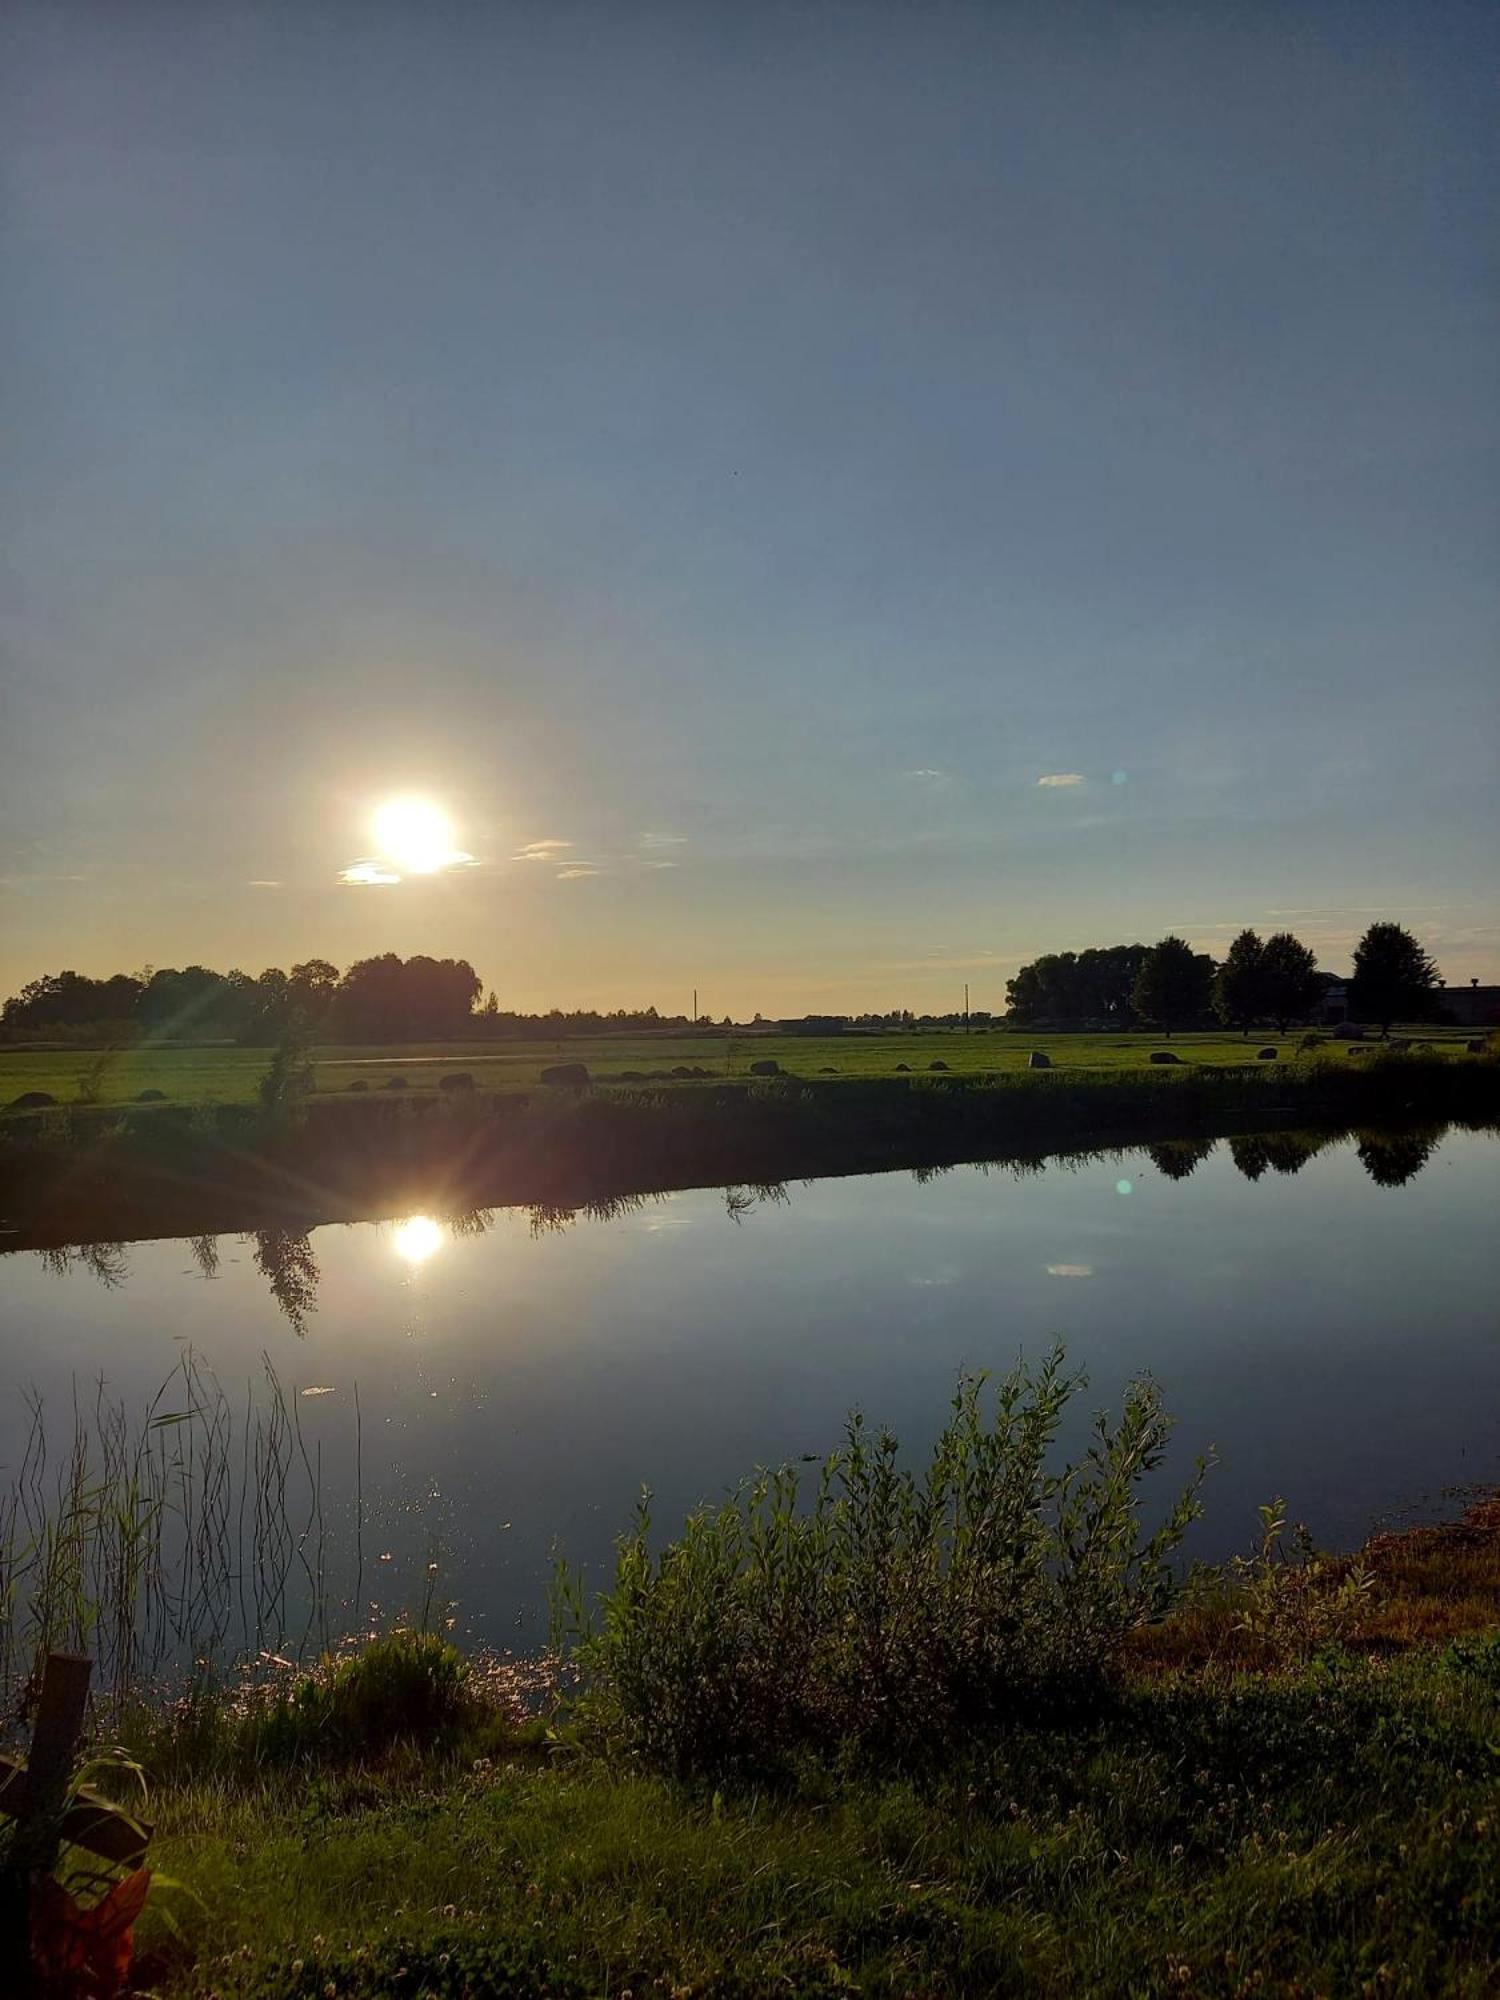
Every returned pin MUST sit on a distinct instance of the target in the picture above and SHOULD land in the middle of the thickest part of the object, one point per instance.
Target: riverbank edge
(84, 1173)
(1242, 1819)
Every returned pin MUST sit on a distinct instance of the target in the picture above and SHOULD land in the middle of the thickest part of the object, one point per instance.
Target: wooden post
(54, 1741)
(49, 1809)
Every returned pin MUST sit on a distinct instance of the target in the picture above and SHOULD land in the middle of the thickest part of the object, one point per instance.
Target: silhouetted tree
(1239, 984)
(72, 1000)
(1394, 979)
(1290, 983)
(1067, 986)
(312, 986)
(416, 999)
(1173, 984)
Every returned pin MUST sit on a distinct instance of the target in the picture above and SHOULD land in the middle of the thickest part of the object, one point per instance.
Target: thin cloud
(664, 840)
(1057, 780)
(262, 882)
(926, 773)
(1070, 1270)
(542, 850)
(575, 874)
(661, 864)
(369, 875)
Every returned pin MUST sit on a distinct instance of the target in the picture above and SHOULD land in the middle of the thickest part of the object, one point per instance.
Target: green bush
(894, 1614)
(402, 1687)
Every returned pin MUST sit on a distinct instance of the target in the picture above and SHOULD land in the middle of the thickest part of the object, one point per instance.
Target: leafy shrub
(405, 1686)
(1296, 1601)
(895, 1612)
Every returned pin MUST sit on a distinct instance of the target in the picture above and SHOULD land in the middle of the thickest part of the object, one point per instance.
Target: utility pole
(966, 1006)
(695, 1006)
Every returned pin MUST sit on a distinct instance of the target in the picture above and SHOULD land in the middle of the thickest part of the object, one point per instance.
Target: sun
(416, 836)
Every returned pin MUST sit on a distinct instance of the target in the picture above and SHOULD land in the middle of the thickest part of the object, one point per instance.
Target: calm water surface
(1331, 1325)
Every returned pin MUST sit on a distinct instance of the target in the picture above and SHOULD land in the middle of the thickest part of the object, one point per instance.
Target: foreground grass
(227, 1075)
(1251, 1808)
(1327, 1829)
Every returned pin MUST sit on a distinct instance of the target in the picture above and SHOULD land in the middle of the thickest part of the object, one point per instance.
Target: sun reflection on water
(418, 1238)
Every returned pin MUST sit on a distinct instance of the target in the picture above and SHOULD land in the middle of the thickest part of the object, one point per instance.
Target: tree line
(381, 999)
(1271, 981)
(390, 999)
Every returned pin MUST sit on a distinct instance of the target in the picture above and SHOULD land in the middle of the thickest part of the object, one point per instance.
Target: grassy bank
(1255, 1807)
(1286, 1783)
(93, 1172)
(226, 1075)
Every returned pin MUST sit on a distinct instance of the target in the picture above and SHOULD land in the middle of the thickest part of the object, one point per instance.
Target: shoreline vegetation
(881, 1729)
(87, 1171)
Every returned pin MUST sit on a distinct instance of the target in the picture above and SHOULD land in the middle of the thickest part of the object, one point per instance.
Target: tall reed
(186, 1535)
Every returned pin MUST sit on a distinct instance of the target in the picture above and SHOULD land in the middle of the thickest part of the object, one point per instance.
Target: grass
(1319, 1819)
(1289, 1784)
(230, 1075)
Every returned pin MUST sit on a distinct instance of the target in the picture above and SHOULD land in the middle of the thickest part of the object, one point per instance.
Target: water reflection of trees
(284, 1258)
(205, 1254)
(547, 1217)
(1392, 1158)
(106, 1262)
(1177, 1158)
(1282, 1152)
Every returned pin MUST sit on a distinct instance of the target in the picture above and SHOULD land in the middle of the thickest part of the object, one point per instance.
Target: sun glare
(417, 1238)
(416, 837)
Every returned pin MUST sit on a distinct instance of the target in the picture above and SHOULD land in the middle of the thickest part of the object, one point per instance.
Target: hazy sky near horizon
(863, 493)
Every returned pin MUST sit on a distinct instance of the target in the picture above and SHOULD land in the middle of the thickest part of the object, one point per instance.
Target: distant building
(1471, 1006)
(1334, 1005)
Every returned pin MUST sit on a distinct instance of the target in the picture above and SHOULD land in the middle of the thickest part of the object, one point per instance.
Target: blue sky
(755, 447)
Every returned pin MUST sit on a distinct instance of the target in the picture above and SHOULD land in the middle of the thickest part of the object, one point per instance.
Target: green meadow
(226, 1074)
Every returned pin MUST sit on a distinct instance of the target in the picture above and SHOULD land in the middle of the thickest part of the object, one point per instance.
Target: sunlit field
(226, 1074)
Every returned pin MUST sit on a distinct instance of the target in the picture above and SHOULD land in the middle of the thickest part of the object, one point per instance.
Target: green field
(223, 1074)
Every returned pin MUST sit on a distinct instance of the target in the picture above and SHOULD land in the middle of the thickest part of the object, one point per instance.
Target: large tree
(1394, 978)
(1067, 986)
(1239, 985)
(1290, 982)
(1173, 985)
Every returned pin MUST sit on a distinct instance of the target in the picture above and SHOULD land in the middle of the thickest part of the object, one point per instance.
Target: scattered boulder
(937, 1065)
(1266, 1055)
(1038, 1059)
(1398, 1042)
(396, 1083)
(151, 1097)
(1475, 1047)
(826, 1071)
(767, 1066)
(1348, 1031)
(1164, 1056)
(32, 1100)
(682, 1070)
(456, 1079)
(567, 1076)
(703, 1072)
(903, 1069)
(630, 1076)
(359, 1084)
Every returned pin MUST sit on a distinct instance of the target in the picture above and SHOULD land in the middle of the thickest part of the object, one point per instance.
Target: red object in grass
(84, 1952)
